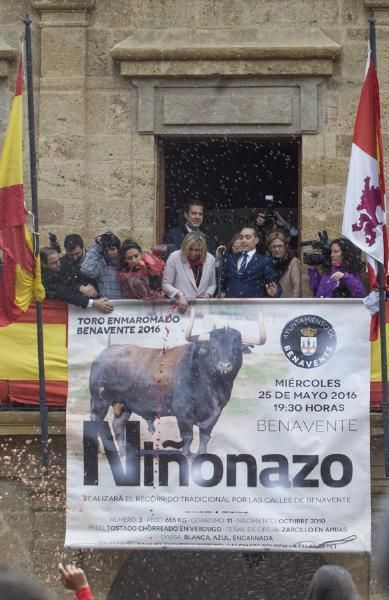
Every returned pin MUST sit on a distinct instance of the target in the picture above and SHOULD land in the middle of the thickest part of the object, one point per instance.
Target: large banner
(240, 424)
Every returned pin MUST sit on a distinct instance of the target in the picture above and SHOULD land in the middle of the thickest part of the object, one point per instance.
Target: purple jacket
(323, 286)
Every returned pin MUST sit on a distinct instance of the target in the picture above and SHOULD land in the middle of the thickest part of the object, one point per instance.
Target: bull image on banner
(235, 425)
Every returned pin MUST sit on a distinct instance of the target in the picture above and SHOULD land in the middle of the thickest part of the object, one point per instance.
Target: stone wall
(97, 158)
(102, 75)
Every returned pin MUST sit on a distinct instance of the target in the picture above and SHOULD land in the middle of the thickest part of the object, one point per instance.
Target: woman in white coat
(190, 272)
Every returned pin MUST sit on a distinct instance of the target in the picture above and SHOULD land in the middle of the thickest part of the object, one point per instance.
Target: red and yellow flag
(21, 279)
(19, 373)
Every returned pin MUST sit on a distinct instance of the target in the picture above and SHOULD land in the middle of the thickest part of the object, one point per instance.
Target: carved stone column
(62, 113)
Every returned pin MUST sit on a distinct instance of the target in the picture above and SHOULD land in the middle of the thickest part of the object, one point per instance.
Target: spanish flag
(19, 373)
(21, 278)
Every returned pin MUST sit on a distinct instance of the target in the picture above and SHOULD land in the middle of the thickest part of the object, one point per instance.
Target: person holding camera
(341, 278)
(270, 220)
(101, 263)
(287, 265)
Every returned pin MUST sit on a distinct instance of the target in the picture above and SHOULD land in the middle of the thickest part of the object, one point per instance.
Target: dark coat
(57, 290)
(70, 273)
(175, 237)
(251, 282)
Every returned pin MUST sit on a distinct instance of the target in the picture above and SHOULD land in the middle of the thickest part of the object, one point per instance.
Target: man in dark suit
(70, 266)
(249, 274)
(69, 292)
(194, 215)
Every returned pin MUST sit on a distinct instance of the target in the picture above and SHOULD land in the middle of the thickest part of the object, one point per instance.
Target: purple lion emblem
(368, 221)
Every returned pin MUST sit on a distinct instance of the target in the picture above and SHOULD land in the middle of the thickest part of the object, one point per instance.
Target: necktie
(243, 264)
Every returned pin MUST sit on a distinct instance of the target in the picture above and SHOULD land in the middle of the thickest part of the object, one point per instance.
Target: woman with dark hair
(234, 246)
(140, 274)
(332, 582)
(190, 272)
(286, 264)
(341, 279)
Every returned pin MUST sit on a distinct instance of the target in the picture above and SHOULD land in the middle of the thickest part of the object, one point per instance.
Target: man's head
(111, 244)
(15, 586)
(194, 214)
(49, 259)
(74, 247)
(249, 237)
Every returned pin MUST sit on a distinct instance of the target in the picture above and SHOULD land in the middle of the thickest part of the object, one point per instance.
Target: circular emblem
(308, 341)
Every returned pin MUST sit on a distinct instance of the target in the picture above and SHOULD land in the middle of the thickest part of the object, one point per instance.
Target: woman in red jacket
(140, 273)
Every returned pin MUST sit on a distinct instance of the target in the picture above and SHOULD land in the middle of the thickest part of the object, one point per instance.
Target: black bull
(192, 382)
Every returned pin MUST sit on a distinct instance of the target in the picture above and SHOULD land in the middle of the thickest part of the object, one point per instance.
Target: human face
(132, 256)
(336, 255)
(111, 252)
(194, 251)
(249, 239)
(194, 216)
(236, 246)
(277, 249)
(76, 254)
(53, 263)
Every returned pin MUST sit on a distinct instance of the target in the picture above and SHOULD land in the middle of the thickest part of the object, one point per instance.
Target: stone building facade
(112, 80)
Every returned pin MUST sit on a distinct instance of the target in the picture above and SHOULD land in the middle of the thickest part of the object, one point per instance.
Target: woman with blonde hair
(286, 264)
(190, 272)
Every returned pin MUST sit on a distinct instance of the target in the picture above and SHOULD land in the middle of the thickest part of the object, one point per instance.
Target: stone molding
(378, 4)
(270, 106)
(28, 423)
(63, 13)
(63, 5)
(226, 51)
(7, 55)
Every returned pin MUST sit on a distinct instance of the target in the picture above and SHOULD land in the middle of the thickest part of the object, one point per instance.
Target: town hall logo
(308, 341)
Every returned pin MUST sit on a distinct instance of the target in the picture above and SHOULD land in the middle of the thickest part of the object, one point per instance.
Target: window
(234, 177)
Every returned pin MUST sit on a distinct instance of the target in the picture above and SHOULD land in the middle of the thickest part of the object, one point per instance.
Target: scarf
(197, 267)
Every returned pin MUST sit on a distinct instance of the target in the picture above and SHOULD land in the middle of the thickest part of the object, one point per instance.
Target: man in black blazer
(194, 215)
(249, 274)
(57, 289)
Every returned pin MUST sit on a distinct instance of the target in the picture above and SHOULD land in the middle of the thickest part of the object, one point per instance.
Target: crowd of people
(259, 261)
(330, 582)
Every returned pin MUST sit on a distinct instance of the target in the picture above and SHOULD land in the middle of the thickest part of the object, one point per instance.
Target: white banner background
(276, 408)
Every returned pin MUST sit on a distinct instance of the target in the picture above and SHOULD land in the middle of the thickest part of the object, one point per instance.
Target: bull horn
(261, 339)
(203, 337)
(189, 327)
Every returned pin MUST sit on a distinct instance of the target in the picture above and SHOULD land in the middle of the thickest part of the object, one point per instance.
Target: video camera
(321, 254)
(54, 242)
(269, 213)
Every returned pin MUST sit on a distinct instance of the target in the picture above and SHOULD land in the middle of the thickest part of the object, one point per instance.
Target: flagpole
(381, 295)
(34, 209)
